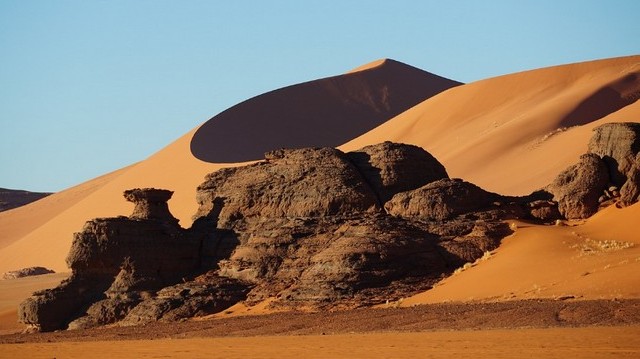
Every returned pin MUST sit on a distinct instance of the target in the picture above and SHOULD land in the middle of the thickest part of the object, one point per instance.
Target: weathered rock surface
(311, 227)
(118, 263)
(297, 246)
(440, 200)
(391, 168)
(26, 272)
(618, 144)
(609, 173)
(578, 188)
(290, 183)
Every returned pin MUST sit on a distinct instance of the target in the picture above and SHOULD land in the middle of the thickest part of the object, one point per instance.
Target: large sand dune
(513, 134)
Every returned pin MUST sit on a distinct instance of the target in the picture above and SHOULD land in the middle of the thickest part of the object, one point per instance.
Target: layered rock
(391, 168)
(608, 173)
(290, 183)
(618, 144)
(118, 264)
(312, 230)
(578, 188)
(440, 200)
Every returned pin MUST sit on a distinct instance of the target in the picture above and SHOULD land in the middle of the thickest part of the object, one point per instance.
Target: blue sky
(87, 87)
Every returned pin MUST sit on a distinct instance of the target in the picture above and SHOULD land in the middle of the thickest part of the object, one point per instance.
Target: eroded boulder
(113, 261)
(440, 200)
(578, 188)
(308, 182)
(390, 168)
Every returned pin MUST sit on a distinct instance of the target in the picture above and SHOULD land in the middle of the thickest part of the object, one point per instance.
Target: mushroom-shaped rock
(151, 203)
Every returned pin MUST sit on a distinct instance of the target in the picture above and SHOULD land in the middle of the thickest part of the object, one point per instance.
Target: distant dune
(12, 198)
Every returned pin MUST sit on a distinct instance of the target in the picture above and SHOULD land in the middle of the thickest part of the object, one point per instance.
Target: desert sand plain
(510, 134)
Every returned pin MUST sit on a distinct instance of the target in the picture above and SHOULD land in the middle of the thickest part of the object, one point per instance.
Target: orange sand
(600, 259)
(586, 343)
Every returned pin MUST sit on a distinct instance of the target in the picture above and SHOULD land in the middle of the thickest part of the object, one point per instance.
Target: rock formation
(117, 264)
(312, 228)
(440, 200)
(610, 171)
(26, 272)
(578, 188)
(391, 168)
(618, 144)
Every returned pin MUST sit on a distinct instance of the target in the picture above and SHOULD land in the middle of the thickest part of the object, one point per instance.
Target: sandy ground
(593, 342)
(538, 328)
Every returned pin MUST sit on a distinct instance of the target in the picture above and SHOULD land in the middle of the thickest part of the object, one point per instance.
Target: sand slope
(594, 260)
(513, 134)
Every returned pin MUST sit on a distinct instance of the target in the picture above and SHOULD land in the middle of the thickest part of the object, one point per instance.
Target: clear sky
(87, 87)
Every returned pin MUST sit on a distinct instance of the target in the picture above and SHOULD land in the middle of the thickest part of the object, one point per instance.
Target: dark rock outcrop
(311, 227)
(26, 272)
(119, 264)
(440, 200)
(609, 173)
(290, 183)
(311, 231)
(618, 144)
(391, 168)
(578, 188)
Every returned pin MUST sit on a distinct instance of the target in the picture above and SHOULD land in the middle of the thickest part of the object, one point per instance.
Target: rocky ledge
(312, 228)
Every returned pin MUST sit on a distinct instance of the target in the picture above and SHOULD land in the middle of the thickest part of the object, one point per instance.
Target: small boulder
(26, 272)
(578, 188)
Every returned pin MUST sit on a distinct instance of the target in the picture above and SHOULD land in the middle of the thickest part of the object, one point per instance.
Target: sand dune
(320, 113)
(595, 260)
(513, 134)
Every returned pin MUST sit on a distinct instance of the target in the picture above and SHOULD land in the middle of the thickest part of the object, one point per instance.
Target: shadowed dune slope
(325, 112)
(513, 134)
